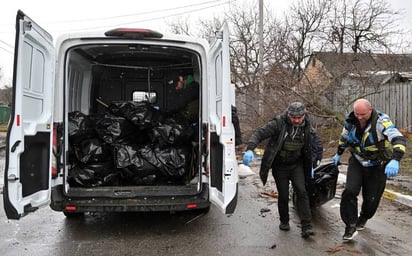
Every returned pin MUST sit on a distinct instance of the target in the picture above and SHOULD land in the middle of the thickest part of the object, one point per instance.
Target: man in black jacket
(290, 154)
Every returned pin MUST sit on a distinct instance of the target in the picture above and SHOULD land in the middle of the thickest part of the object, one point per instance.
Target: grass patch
(406, 162)
(3, 127)
(399, 189)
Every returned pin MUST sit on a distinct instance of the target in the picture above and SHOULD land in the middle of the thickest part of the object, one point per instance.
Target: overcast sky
(75, 15)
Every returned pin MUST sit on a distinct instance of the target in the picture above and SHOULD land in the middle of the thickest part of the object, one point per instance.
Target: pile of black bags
(131, 144)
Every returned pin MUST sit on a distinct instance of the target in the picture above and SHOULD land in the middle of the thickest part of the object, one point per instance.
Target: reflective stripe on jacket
(390, 144)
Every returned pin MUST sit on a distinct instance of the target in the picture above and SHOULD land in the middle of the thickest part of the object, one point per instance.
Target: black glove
(263, 177)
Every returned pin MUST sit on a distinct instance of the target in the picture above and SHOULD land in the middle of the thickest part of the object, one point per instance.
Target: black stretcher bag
(322, 188)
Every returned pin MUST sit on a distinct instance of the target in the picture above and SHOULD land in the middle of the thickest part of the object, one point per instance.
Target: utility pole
(260, 59)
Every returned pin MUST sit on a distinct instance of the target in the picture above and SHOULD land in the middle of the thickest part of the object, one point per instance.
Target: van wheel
(73, 215)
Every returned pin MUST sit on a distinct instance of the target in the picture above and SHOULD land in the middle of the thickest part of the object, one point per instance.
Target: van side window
(142, 96)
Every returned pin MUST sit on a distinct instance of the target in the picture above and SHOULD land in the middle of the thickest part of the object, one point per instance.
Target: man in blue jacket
(376, 147)
(290, 153)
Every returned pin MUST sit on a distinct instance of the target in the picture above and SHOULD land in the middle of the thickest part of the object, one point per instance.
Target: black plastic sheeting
(152, 160)
(116, 130)
(141, 114)
(93, 175)
(92, 150)
(131, 144)
(172, 133)
(80, 127)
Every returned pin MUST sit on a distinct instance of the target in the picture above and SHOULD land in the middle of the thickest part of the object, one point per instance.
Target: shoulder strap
(374, 120)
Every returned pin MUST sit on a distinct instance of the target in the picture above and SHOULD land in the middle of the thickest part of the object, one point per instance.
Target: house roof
(365, 63)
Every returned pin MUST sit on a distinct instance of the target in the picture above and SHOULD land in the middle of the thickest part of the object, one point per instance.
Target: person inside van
(183, 81)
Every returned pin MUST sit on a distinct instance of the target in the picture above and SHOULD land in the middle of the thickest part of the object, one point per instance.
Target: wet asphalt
(251, 230)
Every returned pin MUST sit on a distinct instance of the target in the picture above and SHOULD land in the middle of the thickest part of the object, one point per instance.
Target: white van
(127, 120)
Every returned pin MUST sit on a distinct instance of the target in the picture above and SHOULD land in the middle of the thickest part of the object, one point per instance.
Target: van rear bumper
(59, 202)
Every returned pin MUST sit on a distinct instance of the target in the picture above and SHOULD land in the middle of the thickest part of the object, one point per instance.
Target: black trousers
(372, 181)
(295, 174)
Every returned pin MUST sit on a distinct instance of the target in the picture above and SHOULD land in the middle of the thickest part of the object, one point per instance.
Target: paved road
(252, 230)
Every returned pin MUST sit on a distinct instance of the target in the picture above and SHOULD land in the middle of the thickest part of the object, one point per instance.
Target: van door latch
(15, 145)
(12, 177)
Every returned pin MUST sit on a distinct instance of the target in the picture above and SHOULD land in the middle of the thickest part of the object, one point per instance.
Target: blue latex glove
(336, 159)
(248, 157)
(312, 174)
(392, 168)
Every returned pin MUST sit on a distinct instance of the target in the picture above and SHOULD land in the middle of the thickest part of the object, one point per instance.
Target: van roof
(115, 33)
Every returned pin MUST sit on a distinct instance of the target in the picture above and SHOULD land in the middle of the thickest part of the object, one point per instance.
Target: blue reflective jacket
(369, 149)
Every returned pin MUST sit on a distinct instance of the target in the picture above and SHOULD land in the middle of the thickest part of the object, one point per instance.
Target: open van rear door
(28, 150)
(222, 156)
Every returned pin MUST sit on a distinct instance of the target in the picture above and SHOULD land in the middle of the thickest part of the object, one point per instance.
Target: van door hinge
(27, 26)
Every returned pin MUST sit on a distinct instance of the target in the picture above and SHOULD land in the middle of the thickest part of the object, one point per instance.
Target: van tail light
(70, 208)
(54, 158)
(191, 206)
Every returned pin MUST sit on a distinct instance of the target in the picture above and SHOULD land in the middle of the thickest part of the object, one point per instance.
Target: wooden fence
(394, 99)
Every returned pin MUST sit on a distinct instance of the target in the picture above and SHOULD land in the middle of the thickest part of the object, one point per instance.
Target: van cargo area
(133, 118)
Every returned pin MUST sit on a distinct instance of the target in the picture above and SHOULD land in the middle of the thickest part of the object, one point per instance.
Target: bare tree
(209, 27)
(305, 21)
(6, 91)
(180, 26)
(362, 26)
(372, 23)
(309, 26)
(337, 23)
(273, 92)
(6, 95)
(340, 26)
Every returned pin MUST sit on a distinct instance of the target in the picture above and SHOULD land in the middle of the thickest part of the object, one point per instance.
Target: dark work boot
(350, 233)
(284, 226)
(307, 231)
(360, 223)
